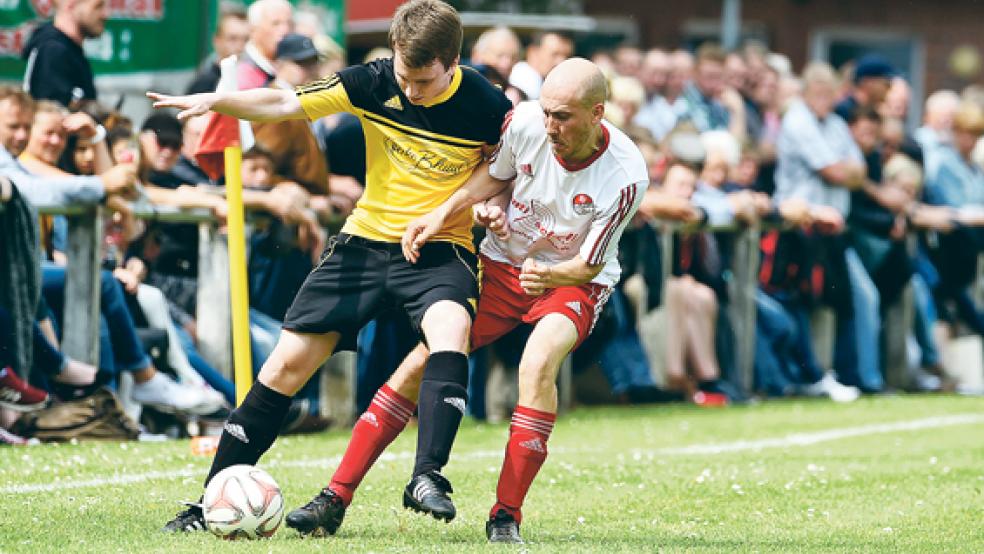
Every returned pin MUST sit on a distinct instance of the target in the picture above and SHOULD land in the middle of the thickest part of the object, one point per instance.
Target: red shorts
(503, 304)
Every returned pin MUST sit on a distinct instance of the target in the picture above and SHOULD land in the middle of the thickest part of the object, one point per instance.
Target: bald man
(549, 260)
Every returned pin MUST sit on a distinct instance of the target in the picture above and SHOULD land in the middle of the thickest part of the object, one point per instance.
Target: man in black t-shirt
(57, 68)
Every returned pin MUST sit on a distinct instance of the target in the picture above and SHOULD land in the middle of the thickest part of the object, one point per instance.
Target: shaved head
(577, 80)
(573, 102)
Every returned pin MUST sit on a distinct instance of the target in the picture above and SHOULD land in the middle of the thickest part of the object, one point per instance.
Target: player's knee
(283, 375)
(446, 325)
(536, 375)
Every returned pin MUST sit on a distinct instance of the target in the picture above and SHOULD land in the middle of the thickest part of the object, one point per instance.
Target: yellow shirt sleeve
(324, 97)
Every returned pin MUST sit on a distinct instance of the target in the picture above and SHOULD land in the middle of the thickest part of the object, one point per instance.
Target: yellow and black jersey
(416, 155)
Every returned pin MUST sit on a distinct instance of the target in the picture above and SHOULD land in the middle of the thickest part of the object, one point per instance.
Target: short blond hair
(969, 118)
(820, 73)
(627, 89)
(900, 165)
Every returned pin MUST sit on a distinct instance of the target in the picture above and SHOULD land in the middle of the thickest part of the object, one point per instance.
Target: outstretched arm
(261, 104)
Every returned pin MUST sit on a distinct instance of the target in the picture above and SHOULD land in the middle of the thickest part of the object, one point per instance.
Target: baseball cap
(296, 48)
(873, 65)
(166, 127)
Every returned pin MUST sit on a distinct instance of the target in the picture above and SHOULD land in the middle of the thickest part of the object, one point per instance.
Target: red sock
(525, 453)
(385, 418)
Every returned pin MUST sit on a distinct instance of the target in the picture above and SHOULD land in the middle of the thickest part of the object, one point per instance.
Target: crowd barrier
(81, 330)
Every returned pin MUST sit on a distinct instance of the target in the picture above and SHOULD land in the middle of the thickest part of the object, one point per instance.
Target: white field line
(787, 441)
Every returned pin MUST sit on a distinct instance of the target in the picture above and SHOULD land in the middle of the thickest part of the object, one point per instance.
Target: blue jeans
(925, 319)
(859, 336)
(775, 341)
(212, 376)
(807, 369)
(623, 359)
(120, 347)
(264, 331)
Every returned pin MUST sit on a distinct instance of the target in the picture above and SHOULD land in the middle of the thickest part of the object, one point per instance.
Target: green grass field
(890, 474)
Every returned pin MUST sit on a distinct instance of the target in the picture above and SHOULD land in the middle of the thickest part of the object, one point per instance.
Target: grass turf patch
(783, 476)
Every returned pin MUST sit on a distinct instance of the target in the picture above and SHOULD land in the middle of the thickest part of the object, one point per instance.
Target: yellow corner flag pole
(237, 273)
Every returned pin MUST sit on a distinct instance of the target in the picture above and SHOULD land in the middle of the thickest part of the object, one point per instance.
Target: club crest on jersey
(527, 169)
(583, 204)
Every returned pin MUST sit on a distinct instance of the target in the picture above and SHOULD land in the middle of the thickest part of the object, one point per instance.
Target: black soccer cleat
(427, 493)
(189, 520)
(502, 527)
(321, 516)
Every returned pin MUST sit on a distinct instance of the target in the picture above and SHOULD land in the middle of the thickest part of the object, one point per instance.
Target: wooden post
(214, 309)
(823, 333)
(741, 302)
(896, 324)
(80, 340)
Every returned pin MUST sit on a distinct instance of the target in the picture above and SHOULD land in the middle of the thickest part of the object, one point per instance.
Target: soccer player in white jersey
(551, 258)
(550, 261)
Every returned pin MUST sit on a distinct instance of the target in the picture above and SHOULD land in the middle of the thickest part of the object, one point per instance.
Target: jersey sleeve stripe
(601, 236)
(630, 201)
(506, 121)
(628, 196)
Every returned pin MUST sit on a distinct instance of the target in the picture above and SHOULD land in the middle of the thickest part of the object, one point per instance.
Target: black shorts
(358, 279)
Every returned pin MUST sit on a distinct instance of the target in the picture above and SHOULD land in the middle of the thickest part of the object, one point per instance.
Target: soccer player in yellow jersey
(428, 124)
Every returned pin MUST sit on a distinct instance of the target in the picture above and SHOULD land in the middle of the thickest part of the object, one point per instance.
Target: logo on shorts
(527, 169)
(583, 204)
(237, 431)
(575, 306)
(457, 403)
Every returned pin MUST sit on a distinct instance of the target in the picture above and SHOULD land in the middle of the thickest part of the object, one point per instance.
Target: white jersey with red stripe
(559, 210)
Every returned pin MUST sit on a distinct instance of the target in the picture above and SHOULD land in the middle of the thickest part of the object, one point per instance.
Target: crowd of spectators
(856, 209)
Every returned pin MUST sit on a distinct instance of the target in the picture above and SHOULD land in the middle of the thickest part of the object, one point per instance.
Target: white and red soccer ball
(243, 501)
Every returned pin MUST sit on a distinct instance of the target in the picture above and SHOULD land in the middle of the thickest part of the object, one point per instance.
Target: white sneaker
(165, 394)
(829, 386)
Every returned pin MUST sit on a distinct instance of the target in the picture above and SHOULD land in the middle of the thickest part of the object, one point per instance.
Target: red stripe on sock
(525, 453)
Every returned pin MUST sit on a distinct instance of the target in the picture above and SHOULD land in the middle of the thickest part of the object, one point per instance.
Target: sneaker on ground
(18, 395)
(165, 394)
(502, 527)
(830, 387)
(427, 493)
(710, 399)
(189, 520)
(921, 380)
(321, 516)
(6, 437)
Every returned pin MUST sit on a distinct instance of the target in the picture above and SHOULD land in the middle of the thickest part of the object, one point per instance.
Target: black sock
(441, 405)
(250, 429)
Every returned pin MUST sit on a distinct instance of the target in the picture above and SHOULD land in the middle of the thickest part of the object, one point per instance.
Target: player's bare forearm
(480, 187)
(261, 104)
(573, 272)
(501, 200)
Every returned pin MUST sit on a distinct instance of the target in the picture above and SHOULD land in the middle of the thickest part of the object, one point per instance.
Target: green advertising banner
(142, 36)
